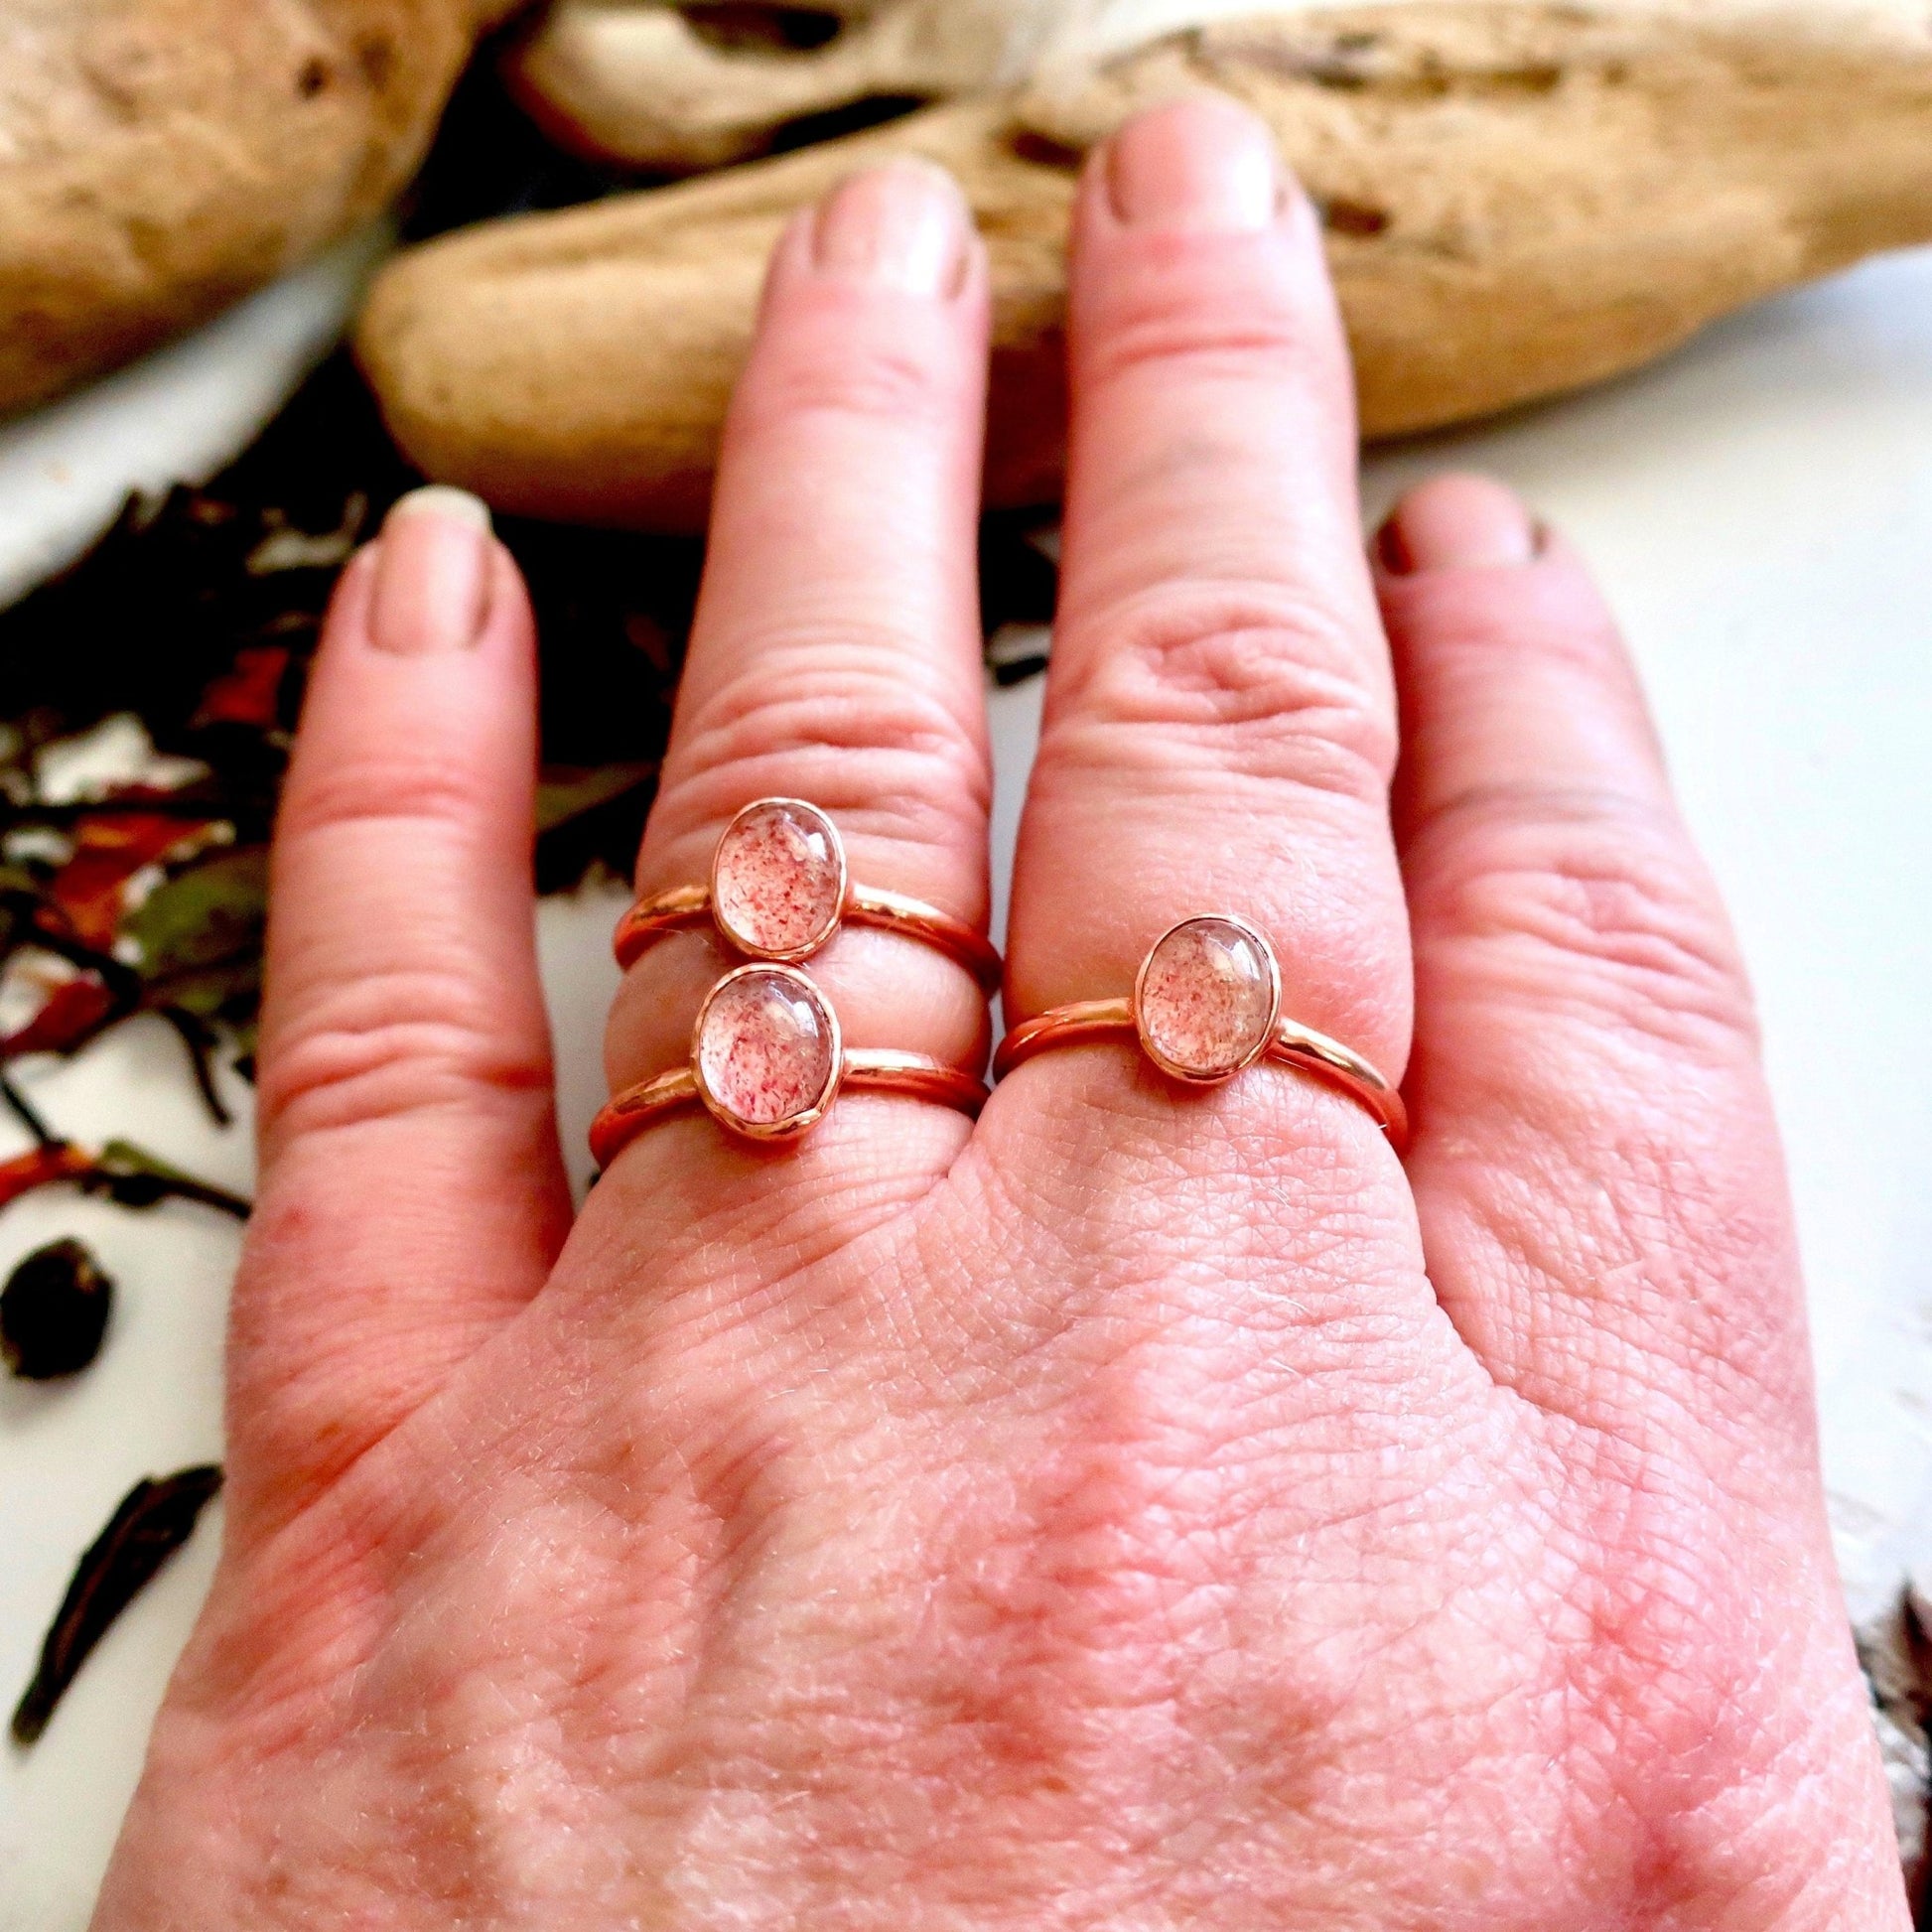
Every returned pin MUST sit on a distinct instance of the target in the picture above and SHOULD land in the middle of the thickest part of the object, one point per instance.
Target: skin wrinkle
(805, 678)
(872, 387)
(1556, 946)
(1250, 652)
(924, 785)
(1520, 1240)
(347, 1075)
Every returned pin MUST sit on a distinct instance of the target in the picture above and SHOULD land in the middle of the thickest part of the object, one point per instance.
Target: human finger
(1595, 1163)
(411, 1191)
(1219, 723)
(835, 655)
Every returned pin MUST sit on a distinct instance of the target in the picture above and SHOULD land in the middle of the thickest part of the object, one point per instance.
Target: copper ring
(1206, 1003)
(813, 905)
(768, 1061)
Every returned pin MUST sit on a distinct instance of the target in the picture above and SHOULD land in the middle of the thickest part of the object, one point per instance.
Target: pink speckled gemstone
(777, 882)
(1208, 997)
(768, 1049)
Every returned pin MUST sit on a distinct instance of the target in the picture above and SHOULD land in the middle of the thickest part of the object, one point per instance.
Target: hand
(1141, 1509)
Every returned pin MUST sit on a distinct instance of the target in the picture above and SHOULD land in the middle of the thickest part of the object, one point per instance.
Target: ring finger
(835, 653)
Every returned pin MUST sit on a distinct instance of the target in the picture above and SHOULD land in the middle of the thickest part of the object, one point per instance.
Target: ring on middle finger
(768, 1060)
(779, 891)
(768, 1056)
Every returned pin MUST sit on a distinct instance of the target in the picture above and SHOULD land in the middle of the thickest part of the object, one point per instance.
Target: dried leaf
(211, 915)
(285, 548)
(56, 1161)
(111, 848)
(154, 1518)
(115, 758)
(131, 1177)
(72, 1013)
(127, 1174)
(1019, 581)
(250, 692)
(568, 791)
(227, 991)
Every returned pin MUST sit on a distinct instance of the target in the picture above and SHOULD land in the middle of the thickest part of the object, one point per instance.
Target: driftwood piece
(648, 84)
(159, 157)
(1518, 200)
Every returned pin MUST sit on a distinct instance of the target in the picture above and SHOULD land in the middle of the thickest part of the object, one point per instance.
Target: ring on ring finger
(1206, 1004)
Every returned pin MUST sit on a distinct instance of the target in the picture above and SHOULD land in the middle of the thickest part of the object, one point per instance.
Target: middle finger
(835, 655)
(1220, 725)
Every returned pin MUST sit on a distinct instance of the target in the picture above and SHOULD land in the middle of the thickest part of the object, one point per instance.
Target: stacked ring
(768, 1062)
(780, 889)
(768, 1056)
(1206, 1003)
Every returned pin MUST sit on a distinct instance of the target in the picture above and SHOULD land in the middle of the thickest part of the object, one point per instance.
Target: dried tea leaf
(227, 991)
(284, 548)
(113, 760)
(568, 791)
(250, 692)
(72, 1013)
(127, 1174)
(56, 1160)
(15, 1103)
(53, 1311)
(1019, 581)
(594, 816)
(154, 1518)
(209, 915)
(131, 1177)
(18, 881)
(111, 848)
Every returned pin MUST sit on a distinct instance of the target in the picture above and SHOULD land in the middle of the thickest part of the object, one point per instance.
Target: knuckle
(1251, 676)
(402, 785)
(1169, 323)
(842, 719)
(1601, 900)
(391, 1044)
(859, 376)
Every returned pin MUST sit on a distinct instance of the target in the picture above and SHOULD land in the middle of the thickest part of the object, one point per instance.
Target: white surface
(1757, 508)
(176, 416)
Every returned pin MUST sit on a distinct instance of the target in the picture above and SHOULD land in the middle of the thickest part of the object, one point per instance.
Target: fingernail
(1201, 164)
(432, 575)
(1458, 523)
(904, 225)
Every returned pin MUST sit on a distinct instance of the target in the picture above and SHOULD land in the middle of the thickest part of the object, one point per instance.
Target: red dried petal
(45, 1165)
(109, 849)
(250, 693)
(69, 1015)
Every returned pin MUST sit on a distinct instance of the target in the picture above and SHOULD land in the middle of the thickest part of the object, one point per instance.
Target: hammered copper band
(915, 1076)
(685, 907)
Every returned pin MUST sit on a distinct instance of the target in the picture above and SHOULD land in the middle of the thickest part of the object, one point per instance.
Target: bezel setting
(799, 1120)
(733, 834)
(1194, 1075)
